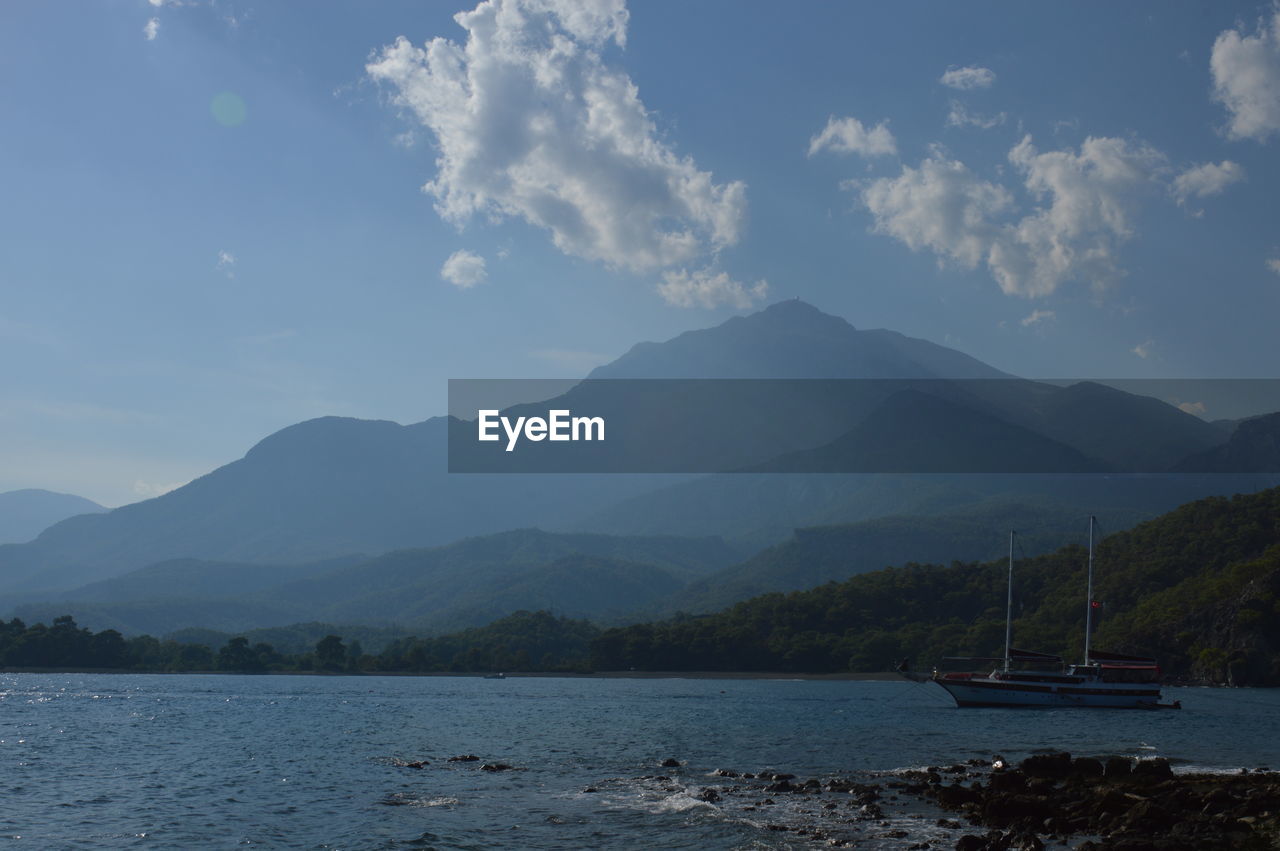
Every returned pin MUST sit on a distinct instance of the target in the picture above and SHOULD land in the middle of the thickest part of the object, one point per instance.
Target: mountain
(316, 490)
(792, 339)
(26, 513)
(467, 583)
(334, 486)
(1254, 447)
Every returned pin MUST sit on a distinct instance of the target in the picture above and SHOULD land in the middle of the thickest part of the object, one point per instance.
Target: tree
(237, 656)
(331, 655)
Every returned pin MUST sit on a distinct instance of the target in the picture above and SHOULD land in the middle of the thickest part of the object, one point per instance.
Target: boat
(1026, 678)
(498, 676)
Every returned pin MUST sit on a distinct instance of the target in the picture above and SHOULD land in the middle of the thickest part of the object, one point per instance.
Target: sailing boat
(1028, 679)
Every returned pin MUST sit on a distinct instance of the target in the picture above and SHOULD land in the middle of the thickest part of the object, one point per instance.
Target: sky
(222, 217)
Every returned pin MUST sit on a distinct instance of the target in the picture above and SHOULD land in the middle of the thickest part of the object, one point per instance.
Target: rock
(952, 797)
(1047, 765)
(495, 766)
(589, 790)
(781, 786)
(1152, 770)
(1087, 766)
(1007, 809)
(709, 795)
(724, 772)
(1011, 780)
(465, 758)
(1118, 768)
(670, 762)
(868, 812)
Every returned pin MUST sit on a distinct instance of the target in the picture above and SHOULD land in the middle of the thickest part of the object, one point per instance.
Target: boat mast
(1088, 603)
(1008, 610)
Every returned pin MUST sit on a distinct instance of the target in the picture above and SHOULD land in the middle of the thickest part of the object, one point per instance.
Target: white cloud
(1194, 408)
(960, 116)
(704, 288)
(940, 206)
(464, 269)
(1246, 79)
(1274, 264)
(151, 29)
(1204, 180)
(848, 136)
(1037, 316)
(1075, 236)
(531, 122)
(968, 77)
(226, 263)
(1081, 216)
(1143, 350)
(148, 490)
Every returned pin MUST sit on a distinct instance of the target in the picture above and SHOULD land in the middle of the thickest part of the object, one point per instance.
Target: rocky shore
(1119, 804)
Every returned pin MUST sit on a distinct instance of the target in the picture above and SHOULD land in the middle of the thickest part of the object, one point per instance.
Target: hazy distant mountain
(316, 490)
(466, 583)
(26, 513)
(1254, 447)
(333, 486)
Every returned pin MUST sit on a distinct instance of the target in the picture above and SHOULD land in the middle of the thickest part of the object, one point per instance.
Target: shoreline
(511, 675)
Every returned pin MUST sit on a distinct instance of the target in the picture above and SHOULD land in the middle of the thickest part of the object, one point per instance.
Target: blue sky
(215, 222)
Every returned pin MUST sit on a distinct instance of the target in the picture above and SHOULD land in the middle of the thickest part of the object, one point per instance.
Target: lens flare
(229, 109)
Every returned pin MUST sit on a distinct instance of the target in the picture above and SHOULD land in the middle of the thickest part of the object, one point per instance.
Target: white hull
(986, 691)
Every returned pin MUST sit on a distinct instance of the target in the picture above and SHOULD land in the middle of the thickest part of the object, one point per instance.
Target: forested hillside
(1197, 587)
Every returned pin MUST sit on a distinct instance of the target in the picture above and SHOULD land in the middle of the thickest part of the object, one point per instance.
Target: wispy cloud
(968, 77)
(149, 490)
(705, 288)
(1037, 316)
(1144, 349)
(960, 116)
(849, 136)
(464, 269)
(1201, 181)
(226, 263)
(1246, 78)
(571, 359)
(1198, 409)
(151, 29)
(1274, 264)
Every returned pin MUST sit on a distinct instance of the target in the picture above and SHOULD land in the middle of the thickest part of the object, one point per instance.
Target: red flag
(1095, 604)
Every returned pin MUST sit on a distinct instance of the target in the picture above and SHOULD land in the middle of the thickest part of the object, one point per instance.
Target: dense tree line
(524, 641)
(1199, 588)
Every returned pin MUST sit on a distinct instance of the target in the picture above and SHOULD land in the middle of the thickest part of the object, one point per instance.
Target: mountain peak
(795, 310)
(793, 339)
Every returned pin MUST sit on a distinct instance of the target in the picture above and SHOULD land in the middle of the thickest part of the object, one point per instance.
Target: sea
(352, 762)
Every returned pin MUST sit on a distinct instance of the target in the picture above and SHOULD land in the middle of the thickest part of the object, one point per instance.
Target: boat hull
(986, 692)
